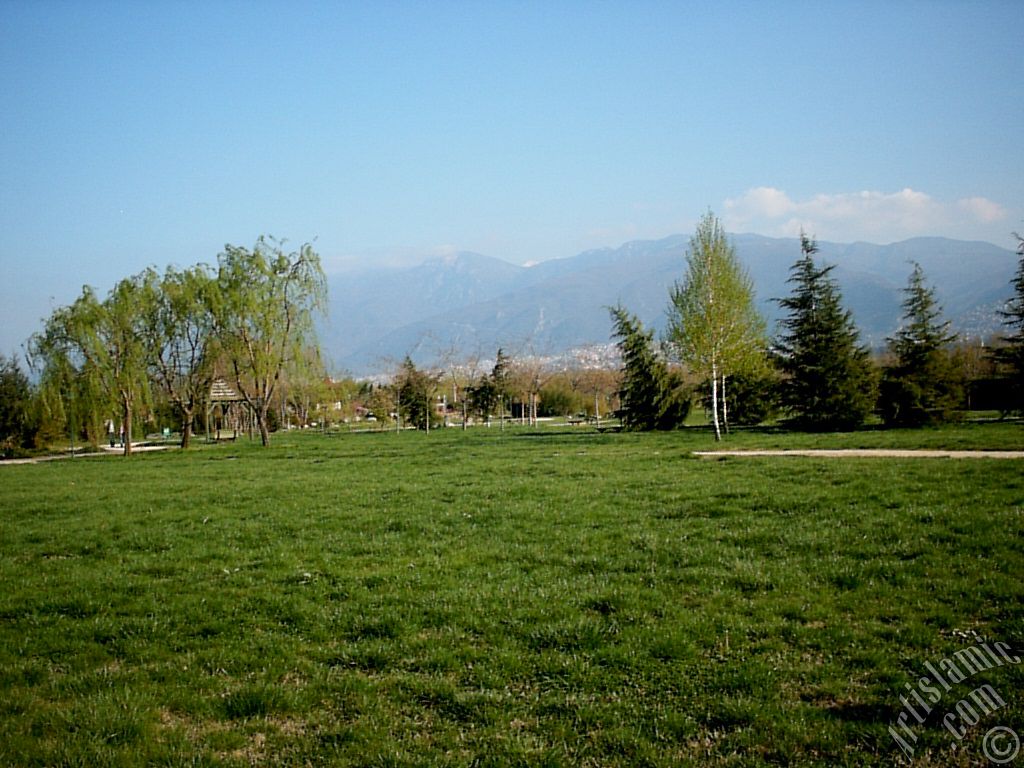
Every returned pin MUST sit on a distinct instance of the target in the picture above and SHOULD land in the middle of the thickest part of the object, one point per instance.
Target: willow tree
(181, 340)
(713, 326)
(265, 304)
(100, 345)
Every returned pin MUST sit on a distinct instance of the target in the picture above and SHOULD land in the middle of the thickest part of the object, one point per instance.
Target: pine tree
(415, 393)
(924, 386)
(488, 394)
(1012, 354)
(713, 325)
(650, 394)
(16, 427)
(830, 381)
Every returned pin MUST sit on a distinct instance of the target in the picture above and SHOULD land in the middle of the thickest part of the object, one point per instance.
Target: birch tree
(713, 326)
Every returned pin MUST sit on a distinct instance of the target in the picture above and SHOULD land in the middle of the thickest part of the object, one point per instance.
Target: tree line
(523, 388)
(156, 342)
(815, 373)
(162, 339)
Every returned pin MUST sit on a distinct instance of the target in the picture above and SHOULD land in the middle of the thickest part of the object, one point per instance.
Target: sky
(136, 134)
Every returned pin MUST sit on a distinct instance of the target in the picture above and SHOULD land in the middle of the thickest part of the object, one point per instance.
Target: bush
(556, 399)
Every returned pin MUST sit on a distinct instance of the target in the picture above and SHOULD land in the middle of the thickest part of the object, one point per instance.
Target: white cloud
(879, 217)
(983, 209)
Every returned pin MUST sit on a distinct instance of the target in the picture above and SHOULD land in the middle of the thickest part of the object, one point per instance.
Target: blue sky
(150, 133)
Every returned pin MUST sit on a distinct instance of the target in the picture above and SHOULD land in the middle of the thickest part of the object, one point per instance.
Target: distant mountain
(474, 303)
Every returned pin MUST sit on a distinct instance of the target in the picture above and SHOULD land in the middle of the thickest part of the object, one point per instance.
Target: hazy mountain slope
(475, 303)
(367, 304)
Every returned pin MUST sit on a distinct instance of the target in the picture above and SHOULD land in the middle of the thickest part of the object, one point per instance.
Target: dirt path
(879, 453)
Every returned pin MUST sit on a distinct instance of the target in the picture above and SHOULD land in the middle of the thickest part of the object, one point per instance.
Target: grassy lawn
(556, 597)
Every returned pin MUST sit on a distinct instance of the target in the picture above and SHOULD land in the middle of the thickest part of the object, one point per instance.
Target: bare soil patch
(879, 453)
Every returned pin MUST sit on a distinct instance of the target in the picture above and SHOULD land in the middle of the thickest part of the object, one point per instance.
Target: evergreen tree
(829, 379)
(16, 418)
(924, 386)
(651, 395)
(488, 395)
(415, 390)
(1012, 354)
(753, 397)
(713, 325)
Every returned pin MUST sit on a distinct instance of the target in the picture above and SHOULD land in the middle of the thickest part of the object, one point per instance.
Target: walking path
(881, 453)
(104, 451)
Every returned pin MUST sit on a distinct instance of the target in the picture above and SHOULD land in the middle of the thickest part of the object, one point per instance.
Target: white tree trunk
(714, 401)
(725, 408)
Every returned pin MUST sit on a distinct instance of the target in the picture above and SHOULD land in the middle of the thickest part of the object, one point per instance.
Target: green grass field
(556, 597)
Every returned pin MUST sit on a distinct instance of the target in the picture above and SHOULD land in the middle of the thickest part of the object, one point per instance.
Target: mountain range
(470, 304)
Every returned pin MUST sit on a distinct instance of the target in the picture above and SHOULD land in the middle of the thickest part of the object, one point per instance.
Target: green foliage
(99, 360)
(829, 382)
(558, 399)
(925, 385)
(652, 396)
(482, 398)
(67, 400)
(488, 394)
(181, 338)
(19, 421)
(415, 391)
(1011, 355)
(95, 352)
(713, 325)
(753, 398)
(265, 302)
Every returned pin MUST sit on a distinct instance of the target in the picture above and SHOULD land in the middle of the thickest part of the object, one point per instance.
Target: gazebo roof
(221, 392)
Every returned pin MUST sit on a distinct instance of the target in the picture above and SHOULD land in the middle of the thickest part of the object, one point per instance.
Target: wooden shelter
(228, 412)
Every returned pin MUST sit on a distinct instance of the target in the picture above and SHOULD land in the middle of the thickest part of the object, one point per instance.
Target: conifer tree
(488, 394)
(924, 385)
(829, 379)
(651, 395)
(1012, 354)
(415, 389)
